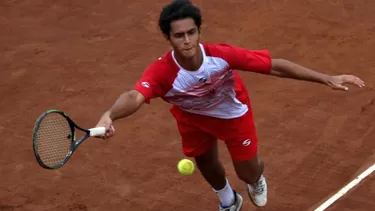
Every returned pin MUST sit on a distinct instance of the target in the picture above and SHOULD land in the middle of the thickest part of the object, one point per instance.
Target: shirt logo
(203, 80)
(145, 84)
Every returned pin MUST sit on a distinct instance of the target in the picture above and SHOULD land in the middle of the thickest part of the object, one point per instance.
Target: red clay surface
(360, 198)
(78, 56)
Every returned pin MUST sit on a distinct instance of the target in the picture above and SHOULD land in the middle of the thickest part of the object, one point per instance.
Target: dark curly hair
(177, 10)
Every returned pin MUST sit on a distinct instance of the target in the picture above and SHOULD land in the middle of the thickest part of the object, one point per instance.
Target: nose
(187, 38)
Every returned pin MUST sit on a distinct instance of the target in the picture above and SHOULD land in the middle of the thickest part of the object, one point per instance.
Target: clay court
(78, 56)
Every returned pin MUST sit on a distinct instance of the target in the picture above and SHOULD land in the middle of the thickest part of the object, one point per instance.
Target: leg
(213, 172)
(211, 168)
(203, 147)
(250, 170)
(243, 146)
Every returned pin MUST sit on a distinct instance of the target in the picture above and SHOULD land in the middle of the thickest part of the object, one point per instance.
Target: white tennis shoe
(258, 192)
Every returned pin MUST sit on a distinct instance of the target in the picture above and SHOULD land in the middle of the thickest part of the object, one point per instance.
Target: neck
(190, 64)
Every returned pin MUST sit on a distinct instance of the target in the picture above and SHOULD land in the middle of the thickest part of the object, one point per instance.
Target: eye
(179, 35)
(192, 31)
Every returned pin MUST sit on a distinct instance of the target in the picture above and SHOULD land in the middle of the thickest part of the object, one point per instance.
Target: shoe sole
(240, 205)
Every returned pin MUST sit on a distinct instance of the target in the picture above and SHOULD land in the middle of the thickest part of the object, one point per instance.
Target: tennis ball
(185, 167)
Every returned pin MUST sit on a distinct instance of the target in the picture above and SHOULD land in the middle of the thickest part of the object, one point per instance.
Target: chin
(190, 54)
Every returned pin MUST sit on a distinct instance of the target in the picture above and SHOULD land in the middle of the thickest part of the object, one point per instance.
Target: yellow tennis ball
(186, 167)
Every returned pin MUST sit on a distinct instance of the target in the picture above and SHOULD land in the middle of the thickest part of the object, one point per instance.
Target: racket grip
(97, 131)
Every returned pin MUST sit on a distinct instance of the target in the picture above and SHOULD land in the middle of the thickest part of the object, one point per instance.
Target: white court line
(345, 189)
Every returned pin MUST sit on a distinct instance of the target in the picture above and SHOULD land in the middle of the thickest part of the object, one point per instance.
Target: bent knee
(249, 171)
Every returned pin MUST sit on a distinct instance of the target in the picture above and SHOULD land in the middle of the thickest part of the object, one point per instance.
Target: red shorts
(199, 133)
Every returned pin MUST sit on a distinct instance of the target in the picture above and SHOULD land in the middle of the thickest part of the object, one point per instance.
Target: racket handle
(97, 131)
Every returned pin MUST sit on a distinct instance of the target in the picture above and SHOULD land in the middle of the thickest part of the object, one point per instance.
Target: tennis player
(210, 101)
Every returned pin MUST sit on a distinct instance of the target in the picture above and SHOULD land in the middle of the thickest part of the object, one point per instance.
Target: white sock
(226, 195)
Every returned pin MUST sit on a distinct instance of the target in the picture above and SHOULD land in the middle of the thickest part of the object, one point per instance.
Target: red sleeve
(150, 85)
(247, 60)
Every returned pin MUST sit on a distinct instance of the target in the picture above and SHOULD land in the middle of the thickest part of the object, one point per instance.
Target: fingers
(338, 82)
(354, 80)
(359, 82)
(110, 132)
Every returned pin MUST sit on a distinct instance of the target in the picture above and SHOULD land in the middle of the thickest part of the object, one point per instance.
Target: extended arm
(287, 69)
(260, 61)
(126, 104)
(149, 86)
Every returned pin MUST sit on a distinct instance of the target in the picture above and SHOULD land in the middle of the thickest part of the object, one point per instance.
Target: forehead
(182, 25)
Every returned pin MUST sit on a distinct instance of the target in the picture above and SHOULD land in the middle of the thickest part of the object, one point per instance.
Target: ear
(166, 37)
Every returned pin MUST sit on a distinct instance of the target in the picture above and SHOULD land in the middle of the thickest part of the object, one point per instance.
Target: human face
(184, 37)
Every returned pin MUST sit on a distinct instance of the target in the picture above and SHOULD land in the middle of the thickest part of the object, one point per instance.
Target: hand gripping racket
(54, 138)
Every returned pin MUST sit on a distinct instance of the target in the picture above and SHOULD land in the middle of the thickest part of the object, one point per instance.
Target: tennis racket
(54, 138)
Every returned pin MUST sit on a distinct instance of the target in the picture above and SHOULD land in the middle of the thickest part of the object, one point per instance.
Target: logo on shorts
(246, 143)
(145, 84)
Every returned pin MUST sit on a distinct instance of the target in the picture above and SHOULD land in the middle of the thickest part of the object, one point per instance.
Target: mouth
(188, 49)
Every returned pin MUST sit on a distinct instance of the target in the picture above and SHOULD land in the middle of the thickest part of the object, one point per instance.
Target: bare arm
(125, 105)
(149, 86)
(287, 69)
(260, 61)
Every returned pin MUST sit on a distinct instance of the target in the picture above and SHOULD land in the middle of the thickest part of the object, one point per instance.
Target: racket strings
(54, 139)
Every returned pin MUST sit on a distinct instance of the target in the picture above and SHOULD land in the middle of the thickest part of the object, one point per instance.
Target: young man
(210, 101)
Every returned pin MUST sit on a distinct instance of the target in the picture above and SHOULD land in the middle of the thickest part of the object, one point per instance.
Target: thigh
(242, 140)
(195, 142)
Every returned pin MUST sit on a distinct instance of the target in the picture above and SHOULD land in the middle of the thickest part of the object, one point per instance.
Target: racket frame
(73, 145)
